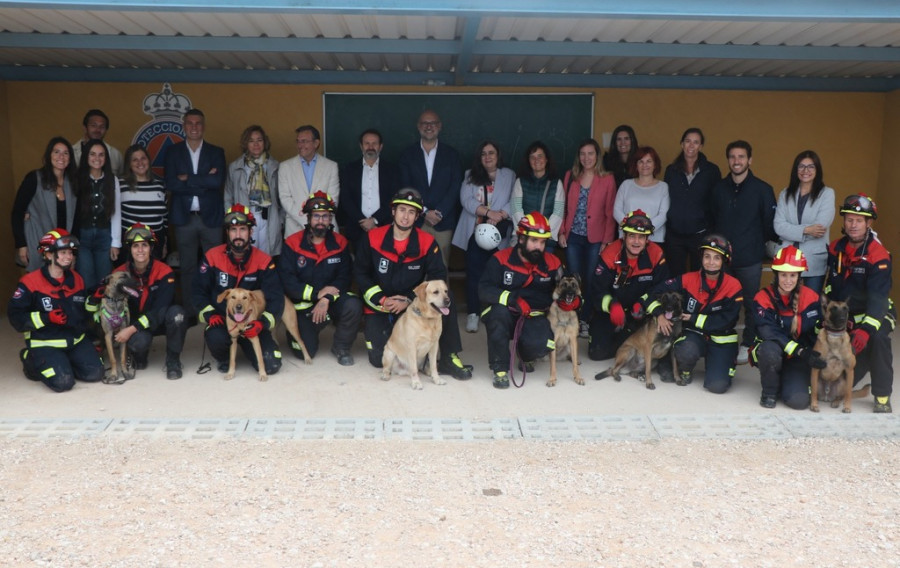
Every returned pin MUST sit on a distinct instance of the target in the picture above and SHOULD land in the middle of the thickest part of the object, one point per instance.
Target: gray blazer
(236, 192)
(790, 228)
(468, 196)
(41, 217)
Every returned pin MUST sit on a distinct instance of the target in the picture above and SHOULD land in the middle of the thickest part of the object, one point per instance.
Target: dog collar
(569, 306)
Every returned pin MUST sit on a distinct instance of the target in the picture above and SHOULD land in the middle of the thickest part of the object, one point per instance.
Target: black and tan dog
(835, 381)
(114, 316)
(564, 322)
(641, 351)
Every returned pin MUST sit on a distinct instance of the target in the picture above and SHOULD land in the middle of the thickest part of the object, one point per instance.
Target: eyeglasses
(806, 167)
(321, 216)
(430, 123)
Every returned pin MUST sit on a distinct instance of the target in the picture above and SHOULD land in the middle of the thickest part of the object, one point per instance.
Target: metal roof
(764, 44)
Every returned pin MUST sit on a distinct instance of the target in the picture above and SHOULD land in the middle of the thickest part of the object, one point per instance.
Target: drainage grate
(315, 429)
(198, 429)
(53, 427)
(715, 426)
(839, 425)
(451, 429)
(588, 428)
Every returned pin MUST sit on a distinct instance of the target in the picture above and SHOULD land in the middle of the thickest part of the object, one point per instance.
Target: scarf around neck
(258, 185)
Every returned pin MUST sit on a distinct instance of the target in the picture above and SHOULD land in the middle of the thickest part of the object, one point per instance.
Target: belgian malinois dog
(833, 344)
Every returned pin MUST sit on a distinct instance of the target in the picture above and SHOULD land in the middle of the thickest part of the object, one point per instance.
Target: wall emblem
(166, 128)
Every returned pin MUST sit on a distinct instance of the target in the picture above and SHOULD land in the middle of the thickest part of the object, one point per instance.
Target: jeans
(582, 257)
(93, 255)
(814, 282)
(749, 277)
(476, 259)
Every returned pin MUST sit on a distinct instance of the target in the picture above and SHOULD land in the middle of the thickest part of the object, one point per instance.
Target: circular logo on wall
(167, 108)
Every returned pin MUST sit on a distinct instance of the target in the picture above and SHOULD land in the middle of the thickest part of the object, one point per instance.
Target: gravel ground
(158, 502)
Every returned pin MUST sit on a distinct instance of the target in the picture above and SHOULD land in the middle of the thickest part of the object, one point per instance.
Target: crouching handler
(787, 314)
(315, 269)
(517, 284)
(153, 312)
(48, 308)
(237, 264)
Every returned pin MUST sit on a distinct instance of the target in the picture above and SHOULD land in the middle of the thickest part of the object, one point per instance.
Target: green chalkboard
(559, 120)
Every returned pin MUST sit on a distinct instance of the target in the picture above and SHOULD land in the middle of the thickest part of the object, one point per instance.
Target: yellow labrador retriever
(416, 334)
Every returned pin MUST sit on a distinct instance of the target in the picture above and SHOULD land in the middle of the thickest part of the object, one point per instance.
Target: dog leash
(205, 366)
(513, 351)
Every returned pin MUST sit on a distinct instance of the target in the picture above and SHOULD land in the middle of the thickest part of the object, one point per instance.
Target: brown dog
(245, 306)
(833, 344)
(114, 316)
(416, 334)
(565, 325)
(647, 344)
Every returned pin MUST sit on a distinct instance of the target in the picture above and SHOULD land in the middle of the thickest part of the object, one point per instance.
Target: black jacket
(689, 211)
(745, 215)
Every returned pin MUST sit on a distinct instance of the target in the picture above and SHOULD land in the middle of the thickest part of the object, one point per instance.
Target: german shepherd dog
(646, 345)
(113, 317)
(565, 325)
(833, 344)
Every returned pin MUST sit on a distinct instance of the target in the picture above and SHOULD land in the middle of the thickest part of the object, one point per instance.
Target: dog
(114, 316)
(565, 325)
(647, 344)
(416, 334)
(833, 345)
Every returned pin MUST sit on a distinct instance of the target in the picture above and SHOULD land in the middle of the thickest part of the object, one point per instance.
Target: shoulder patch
(882, 266)
(18, 293)
(271, 266)
(204, 267)
(170, 279)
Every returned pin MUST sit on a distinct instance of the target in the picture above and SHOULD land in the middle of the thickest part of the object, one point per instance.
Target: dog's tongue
(668, 315)
(239, 317)
(445, 311)
(131, 291)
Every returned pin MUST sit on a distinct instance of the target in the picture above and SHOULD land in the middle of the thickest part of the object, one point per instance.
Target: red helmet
(57, 239)
(637, 222)
(717, 243)
(789, 259)
(534, 225)
(239, 214)
(860, 204)
(319, 201)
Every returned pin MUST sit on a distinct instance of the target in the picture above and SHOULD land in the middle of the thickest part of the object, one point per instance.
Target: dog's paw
(835, 403)
(551, 382)
(438, 380)
(579, 380)
(263, 377)
(650, 386)
(128, 374)
(229, 376)
(814, 407)
(416, 384)
(385, 376)
(847, 410)
(307, 359)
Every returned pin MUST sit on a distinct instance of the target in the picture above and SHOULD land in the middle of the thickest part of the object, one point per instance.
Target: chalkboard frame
(565, 119)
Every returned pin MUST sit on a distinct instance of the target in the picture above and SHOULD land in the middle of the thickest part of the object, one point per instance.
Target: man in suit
(303, 175)
(195, 177)
(367, 186)
(434, 170)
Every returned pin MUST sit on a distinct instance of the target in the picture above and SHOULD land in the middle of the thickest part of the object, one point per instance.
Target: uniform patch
(507, 278)
(203, 267)
(18, 293)
(48, 304)
(170, 279)
(333, 260)
(383, 265)
(223, 280)
(882, 266)
(599, 270)
(691, 305)
(301, 261)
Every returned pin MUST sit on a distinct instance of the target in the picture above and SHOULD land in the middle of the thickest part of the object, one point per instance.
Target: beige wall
(852, 132)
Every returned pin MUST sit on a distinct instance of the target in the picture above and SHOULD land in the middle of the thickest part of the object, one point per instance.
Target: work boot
(173, 366)
(222, 366)
(526, 366)
(451, 365)
(501, 380)
(138, 362)
(31, 376)
(665, 374)
(685, 378)
(882, 405)
(767, 401)
(344, 358)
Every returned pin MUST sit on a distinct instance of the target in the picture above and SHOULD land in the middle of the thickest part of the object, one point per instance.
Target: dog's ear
(420, 290)
(260, 299)
(560, 272)
(223, 295)
(105, 280)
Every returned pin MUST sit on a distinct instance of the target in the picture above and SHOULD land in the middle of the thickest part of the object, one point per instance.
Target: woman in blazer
(588, 225)
(253, 180)
(804, 214)
(484, 194)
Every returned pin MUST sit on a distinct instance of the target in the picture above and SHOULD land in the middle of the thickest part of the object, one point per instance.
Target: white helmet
(487, 236)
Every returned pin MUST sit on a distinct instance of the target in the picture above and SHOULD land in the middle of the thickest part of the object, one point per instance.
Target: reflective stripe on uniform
(604, 304)
(653, 305)
(873, 322)
(701, 321)
(36, 320)
(277, 354)
(202, 315)
(144, 321)
(49, 372)
(55, 343)
(269, 318)
(791, 347)
(724, 339)
(370, 293)
(551, 344)
(485, 312)
(307, 292)
(504, 298)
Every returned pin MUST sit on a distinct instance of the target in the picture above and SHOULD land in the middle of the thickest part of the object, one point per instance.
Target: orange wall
(852, 132)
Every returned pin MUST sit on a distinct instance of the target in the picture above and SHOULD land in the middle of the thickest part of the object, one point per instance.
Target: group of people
(347, 245)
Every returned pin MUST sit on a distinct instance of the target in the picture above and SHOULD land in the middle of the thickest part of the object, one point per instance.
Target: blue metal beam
(757, 10)
(440, 80)
(465, 48)
(470, 32)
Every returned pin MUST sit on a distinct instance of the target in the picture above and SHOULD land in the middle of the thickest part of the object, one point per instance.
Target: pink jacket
(600, 223)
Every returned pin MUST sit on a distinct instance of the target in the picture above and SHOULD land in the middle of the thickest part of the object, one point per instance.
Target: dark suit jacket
(446, 180)
(208, 187)
(349, 212)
